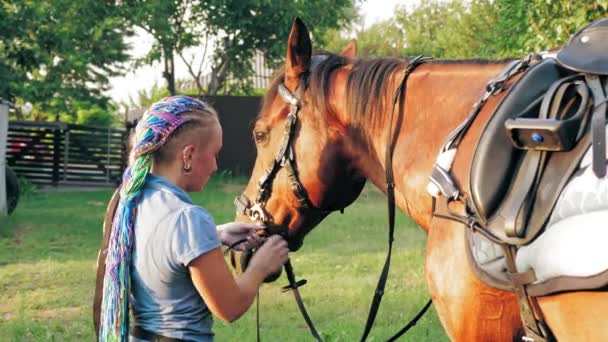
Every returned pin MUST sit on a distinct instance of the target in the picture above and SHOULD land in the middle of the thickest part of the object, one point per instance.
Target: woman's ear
(188, 155)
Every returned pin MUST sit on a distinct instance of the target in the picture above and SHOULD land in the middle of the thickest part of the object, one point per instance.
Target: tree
(233, 29)
(552, 22)
(58, 54)
(493, 28)
(384, 38)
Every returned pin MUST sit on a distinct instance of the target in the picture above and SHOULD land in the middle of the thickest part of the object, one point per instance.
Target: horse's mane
(369, 93)
(366, 88)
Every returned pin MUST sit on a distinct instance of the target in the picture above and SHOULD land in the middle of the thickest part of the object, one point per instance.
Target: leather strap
(412, 322)
(400, 94)
(293, 287)
(494, 87)
(146, 335)
(101, 259)
(515, 211)
(598, 125)
(535, 328)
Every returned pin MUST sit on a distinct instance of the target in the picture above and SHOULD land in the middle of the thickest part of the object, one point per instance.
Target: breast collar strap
(283, 159)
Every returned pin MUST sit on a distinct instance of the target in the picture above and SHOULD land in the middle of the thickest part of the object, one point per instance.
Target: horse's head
(303, 170)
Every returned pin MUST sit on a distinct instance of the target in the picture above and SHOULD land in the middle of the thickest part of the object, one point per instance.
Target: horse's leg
(468, 309)
(577, 316)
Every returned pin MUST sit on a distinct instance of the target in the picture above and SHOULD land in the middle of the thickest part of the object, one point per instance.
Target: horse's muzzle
(240, 261)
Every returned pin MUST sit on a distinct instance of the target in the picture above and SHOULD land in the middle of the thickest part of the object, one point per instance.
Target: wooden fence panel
(49, 153)
(56, 154)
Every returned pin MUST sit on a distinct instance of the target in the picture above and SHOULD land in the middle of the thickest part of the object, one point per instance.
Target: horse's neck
(439, 96)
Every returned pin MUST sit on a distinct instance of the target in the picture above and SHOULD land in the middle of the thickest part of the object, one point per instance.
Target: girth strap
(536, 328)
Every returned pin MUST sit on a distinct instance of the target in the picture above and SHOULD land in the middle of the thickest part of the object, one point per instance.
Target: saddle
(537, 136)
(525, 156)
(528, 149)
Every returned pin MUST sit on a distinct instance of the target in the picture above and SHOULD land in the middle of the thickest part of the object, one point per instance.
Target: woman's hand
(270, 257)
(233, 232)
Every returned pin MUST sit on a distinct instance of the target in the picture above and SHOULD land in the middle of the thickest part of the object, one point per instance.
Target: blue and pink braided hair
(158, 124)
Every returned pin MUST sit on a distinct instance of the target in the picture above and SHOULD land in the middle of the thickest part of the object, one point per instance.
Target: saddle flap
(495, 159)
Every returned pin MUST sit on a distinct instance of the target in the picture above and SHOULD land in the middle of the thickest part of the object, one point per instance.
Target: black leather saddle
(496, 159)
(514, 168)
(587, 50)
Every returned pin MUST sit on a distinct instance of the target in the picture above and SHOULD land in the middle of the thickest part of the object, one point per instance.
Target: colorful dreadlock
(156, 126)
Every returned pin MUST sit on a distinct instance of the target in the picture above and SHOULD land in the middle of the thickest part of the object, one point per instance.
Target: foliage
(26, 188)
(234, 29)
(58, 53)
(147, 97)
(391, 44)
(552, 22)
(94, 116)
(493, 28)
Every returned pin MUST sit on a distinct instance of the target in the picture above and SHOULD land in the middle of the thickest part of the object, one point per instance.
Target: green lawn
(47, 272)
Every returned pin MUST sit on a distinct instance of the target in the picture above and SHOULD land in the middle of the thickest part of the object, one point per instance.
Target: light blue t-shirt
(170, 232)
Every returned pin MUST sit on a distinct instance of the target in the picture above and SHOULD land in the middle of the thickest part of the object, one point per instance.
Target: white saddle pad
(574, 241)
(574, 246)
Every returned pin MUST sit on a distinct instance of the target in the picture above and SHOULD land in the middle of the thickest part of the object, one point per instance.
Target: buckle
(294, 286)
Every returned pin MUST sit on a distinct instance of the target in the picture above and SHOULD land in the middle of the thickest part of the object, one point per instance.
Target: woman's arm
(228, 298)
(240, 236)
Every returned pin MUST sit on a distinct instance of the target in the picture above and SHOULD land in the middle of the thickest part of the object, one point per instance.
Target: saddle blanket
(574, 241)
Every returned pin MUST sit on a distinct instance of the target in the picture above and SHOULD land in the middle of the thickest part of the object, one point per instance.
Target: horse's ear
(350, 51)
(299, 51)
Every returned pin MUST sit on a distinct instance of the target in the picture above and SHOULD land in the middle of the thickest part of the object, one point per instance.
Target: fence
(55, 153)
(49, 153)
(237, 115)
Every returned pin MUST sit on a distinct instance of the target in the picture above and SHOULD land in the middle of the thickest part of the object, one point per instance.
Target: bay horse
(339, 141)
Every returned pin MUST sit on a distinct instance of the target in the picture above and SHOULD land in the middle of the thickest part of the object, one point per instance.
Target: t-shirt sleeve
(195, 234)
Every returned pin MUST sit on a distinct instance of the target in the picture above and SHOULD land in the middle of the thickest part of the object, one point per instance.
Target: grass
(47, 272)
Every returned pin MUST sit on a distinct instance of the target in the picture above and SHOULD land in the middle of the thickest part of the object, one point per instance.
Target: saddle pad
(584, 193)
(573, 247)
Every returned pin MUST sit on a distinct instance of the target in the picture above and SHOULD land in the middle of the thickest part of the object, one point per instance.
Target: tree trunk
(219, 73)
(218, 76)
(169, 72)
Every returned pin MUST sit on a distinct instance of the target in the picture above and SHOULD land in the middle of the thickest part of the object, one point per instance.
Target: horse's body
(342, 136)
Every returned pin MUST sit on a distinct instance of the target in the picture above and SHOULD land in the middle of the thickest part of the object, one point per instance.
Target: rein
(285, 158)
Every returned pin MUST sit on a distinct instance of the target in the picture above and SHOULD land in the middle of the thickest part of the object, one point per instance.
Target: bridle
(285, 158)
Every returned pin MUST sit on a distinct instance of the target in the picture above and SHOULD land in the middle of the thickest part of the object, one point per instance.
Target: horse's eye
(259, 137)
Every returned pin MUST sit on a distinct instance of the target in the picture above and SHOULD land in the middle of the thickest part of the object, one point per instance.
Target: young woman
(164, 260)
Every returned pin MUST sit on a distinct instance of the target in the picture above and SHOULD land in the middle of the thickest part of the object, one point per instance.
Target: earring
(187, 169)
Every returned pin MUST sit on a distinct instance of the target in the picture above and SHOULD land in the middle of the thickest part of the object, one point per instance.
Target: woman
(164, 251)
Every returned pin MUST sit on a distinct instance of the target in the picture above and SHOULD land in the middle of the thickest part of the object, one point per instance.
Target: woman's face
(204, 160)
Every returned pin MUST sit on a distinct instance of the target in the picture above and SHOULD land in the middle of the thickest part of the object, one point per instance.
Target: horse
(339, 141)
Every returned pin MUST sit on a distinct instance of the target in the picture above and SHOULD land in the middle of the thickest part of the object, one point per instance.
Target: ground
(47, 271)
